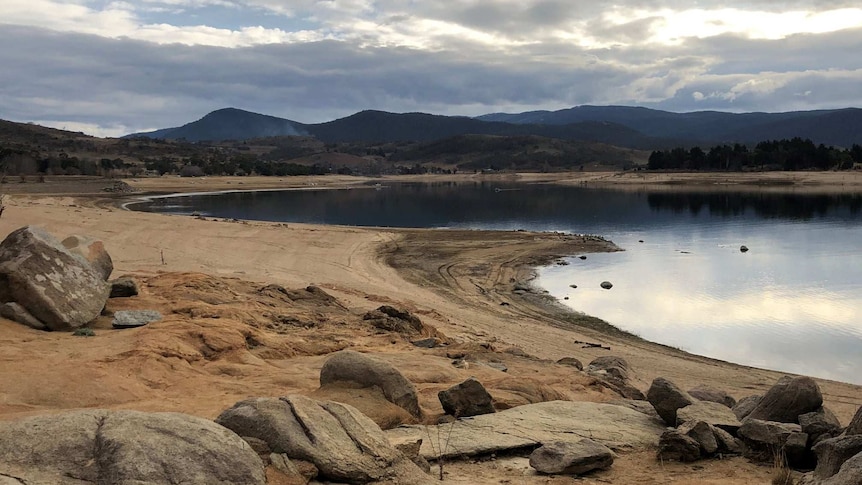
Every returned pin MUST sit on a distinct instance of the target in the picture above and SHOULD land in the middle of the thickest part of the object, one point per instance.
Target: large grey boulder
(850, 473)
(745, 406)
(341, 442)
(667, 398)
(616, 427)
(469, 398)
(92, 251)
(832, 453)
(713, 413)
(352, 367)
(763, 439)
(571, 458)
(822, 422)
(703, 433)
(711, 394)
(57, 288)
(787, 399)
(855, 426)
(125, 448)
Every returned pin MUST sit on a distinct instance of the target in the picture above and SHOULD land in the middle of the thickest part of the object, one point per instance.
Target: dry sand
(217, 343)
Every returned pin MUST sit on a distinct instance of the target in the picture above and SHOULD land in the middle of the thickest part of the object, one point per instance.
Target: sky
(109, 68)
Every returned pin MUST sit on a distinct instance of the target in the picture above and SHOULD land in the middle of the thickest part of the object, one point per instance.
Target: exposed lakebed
(793, 302)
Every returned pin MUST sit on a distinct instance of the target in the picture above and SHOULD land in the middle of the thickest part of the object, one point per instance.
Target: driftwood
(591, 345)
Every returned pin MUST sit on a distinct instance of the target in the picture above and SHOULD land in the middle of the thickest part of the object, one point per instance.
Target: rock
(703, 433)
(623, 388)
(42, 276)
(425, 343)
(713, 413)
(611, 365)
(706, 393)
(606, 285)
(796, 451)
(340, 441)
(582, 257)
(787, 399)
(411, 451)
(17, 313)
(833, 452)
(850, 473)
(572, 362)
(498, 366)
(676, 446)
(93, 252)
(819, 423)
(125, 447)
(855, 426)
(743, 249)
(666, 398)
(529, 425)
(640, 406)
(283, 464)
(123, 287)
(394, 320)
(745, 406)
(134, 318)
(356, 368)
(571, 458)
(468, 398)
(763, 438)
(727, 443)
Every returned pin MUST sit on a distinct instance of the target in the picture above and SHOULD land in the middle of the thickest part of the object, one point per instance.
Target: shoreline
(458, 280)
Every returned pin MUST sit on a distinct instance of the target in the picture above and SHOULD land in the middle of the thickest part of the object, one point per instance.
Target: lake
(793, 302)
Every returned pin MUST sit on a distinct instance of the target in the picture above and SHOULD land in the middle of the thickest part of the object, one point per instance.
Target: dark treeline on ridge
(792, 154)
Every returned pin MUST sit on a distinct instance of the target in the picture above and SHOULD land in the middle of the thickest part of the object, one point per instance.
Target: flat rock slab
(616, 427)
(134, 318)
(712, 413)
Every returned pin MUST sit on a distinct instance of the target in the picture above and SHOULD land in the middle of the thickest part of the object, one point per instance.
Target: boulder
(850, 473)
(425, 343)
(468, 398)
(124, 287)
(676, 446)
(787, 399)
(352, 367)
(855, 426)
(91, 251)
(43, 277)
(394, 320)
(745, 406)
(833, 452)
(667, 398)
(703, 433)
(340, 441)
(727, 443)
(762, 439)
(572, 362)
(623, 388)
(711, 394)
(822, 422)
(713, 413)
(571, 458)
(797, 453)
(125, 447)
(610, 365)
(530, 425)
(134, 318)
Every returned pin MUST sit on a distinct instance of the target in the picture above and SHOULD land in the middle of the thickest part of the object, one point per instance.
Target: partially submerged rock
(571, 458)
(125, 447)
(57, 288)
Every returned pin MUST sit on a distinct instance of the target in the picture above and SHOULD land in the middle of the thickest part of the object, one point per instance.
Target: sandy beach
(459, 282)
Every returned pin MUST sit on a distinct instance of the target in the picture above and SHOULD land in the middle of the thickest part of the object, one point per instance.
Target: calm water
(793, 302)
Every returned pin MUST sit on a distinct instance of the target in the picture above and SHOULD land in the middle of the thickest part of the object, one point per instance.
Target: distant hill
(831, 127)
(229, 124)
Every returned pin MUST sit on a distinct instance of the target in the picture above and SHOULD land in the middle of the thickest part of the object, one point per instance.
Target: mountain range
(624, 126)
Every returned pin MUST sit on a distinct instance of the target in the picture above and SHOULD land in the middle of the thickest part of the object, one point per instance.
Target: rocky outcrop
(531, 425)
(57, 288)
(571, 458)
(91, 251)
(469, 398)
(745, 406)
(340, 441)
(787, 399)
(395, 320)
(125, 447)
(667, 398)
(711, 394)
(348, 366)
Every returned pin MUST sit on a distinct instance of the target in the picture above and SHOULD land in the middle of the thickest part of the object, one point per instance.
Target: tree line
(786, 154)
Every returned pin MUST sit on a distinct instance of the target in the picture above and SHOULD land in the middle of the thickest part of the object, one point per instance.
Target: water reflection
(793, 303)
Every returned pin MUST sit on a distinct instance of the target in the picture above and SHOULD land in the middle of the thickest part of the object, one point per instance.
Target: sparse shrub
(84, 332)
